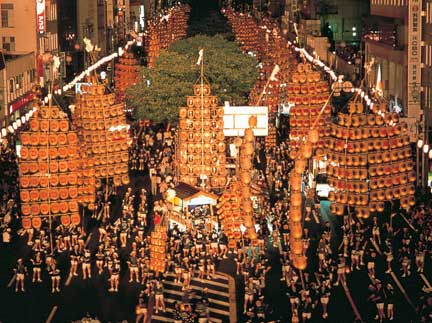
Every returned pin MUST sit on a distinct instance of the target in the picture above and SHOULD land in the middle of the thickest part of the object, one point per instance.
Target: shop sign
(414, 56)
(21, 102)
(40, 16)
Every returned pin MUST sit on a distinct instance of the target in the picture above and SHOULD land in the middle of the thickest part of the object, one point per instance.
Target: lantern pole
(302, 279)
(49, 190)
(202, 118)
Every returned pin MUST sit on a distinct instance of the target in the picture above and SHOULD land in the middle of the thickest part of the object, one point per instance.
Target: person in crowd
(141, 312)
(20, 272)
(37, 263)
(159, 297)
(86, 264)
(54, 272)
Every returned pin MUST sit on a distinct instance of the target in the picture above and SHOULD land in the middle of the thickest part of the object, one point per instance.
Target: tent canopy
(191, 195)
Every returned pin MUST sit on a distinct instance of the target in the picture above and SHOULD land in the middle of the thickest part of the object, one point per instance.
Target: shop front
(20, 106)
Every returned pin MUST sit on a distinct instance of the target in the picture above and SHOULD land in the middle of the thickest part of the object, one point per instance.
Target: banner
(40, 16)
(414, 57)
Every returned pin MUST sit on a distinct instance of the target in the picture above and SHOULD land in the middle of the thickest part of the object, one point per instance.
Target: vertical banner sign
(414, 57)
(40, 16)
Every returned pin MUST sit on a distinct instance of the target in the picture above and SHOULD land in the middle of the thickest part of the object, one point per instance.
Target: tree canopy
(163, 88)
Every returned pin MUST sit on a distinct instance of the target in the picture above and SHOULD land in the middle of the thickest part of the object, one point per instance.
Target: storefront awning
(21, 102)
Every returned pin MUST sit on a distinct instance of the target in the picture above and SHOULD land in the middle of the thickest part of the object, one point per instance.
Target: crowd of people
(152, 151)
(8, 188)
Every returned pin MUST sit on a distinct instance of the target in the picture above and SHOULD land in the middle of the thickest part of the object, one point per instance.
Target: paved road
(218, 297)
(75, 300)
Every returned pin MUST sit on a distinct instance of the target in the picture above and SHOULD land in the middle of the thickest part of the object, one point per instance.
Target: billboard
(414, 57)
(40, 16)
(236, 120)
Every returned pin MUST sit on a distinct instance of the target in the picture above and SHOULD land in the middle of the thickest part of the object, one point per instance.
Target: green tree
(163, 88)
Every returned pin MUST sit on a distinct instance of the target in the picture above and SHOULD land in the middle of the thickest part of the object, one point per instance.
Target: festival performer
(115, 272)
(20, 272)
(75, 258)
(133, 267)
(100, 256)
(54, 272)
(159, 297)
(86, 264)
(37, 262)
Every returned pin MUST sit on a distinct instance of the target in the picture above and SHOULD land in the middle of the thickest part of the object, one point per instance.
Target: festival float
(369, 161)
(126, 75)
(101, 126)
(158, 250)
(49, 169)
(235, 209)
(307, 94)
(201, 140)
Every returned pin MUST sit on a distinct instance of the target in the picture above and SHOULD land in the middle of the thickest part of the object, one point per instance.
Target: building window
(32, 75)
(8, 44)
(7, 15)
(19, 82)
(11, 85)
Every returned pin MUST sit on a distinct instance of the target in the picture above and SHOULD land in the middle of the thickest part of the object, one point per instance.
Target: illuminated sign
(236, 120)
(40, 16)
(21, 102)
(414, 57)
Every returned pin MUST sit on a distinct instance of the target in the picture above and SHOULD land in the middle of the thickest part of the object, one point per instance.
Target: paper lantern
(300, 165)
(313, 136)
(420, 143)
(300, 262)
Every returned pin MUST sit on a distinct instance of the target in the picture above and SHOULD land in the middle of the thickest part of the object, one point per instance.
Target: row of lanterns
(311, 112)
(296, 199)
(267, 44)
(235, 207)
(158, 239)
(163, 32)
(369, 162)
(104, 135)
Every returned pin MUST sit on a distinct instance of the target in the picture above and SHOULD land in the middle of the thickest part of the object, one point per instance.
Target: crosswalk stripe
(219, 297)
(218, 311)
(211, 282)
(206, 281)
(161, 318)
(211, 300)
(195, 287)
(158, 317)
(216, 301)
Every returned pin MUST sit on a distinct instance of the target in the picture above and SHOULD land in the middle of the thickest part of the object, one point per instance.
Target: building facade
(16, 82)
(399, 39)
(29, 37)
